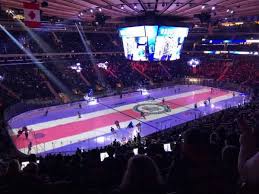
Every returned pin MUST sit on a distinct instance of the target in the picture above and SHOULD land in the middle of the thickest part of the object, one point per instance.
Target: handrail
(32, 104)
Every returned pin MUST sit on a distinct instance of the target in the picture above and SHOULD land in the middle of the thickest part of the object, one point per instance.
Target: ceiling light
(203, 7)
(100, 9)
(122, 7)
(91, 10)
(232, 11)
(228, 10)
(135, 6)
(213, 8)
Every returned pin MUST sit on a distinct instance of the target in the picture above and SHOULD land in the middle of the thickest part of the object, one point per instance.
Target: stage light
(91, 10)
(9, 11)
(77, 67)
(144, 91)
(203, 7)
(135, 6)
(232, 12)
(1, 78)
(93, 102)
(103, 65)
(213, 8)
(194, 62)
(100, 9)
(194, 80)
(228, 10)
(122, 6)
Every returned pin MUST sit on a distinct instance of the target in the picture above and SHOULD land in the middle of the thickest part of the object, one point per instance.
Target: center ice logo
(151, 108)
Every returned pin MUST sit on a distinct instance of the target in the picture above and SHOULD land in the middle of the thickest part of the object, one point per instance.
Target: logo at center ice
(152, 108)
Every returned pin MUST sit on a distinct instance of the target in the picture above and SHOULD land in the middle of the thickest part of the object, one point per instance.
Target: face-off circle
(151, 108)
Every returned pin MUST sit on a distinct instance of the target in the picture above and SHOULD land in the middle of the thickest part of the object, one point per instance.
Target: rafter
(167, 7)
(129, 5)
(179, 7)
(156, 5)
(142, 5)
(69, 9)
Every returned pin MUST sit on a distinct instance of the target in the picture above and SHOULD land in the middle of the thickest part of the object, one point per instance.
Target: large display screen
(153, 43)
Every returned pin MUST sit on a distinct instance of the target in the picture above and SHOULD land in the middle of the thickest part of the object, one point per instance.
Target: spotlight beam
(92, 59)
(36, 62)
(41, 43)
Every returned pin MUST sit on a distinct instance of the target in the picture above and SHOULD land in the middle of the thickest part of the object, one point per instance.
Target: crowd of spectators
(243, 71)
(31, 82)
(206, 157)
(65, 42)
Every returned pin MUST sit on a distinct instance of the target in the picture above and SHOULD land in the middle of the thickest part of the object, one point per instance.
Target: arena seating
(206, 164)
(205, 157)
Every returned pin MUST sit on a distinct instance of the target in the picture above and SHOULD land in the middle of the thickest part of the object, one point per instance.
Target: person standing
(26, 133)
(117, 123)
(138, 127)
(113, 130)
(19, 133)
(142, 114)
(46, 113)
(29, 147)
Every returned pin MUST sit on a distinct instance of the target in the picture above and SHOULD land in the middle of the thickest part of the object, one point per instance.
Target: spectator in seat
(141, 177)
(194, 172)
(14, 169)
(248, 160)
(230, 170)
(13, 176)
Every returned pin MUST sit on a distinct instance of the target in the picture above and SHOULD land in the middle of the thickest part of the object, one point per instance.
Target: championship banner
(31, 15)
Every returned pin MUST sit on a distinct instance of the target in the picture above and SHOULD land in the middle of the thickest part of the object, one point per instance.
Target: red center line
(77, 127)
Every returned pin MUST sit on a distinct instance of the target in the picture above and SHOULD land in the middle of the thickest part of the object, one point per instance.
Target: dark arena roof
(115, 10)
(129, 96)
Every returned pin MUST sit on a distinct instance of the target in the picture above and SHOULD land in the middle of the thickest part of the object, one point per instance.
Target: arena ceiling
(116, 9)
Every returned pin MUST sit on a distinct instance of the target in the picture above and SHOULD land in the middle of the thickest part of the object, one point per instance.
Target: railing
(32, 104)
(99, 140)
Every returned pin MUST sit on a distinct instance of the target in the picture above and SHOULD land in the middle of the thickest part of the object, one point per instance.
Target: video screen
(153, 43)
